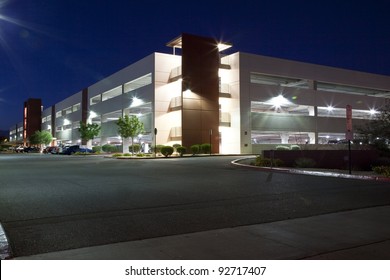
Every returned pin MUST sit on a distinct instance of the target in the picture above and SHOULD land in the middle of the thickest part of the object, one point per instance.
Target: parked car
(31, 150)
(75, 149)
(19, 149)
(51, 150)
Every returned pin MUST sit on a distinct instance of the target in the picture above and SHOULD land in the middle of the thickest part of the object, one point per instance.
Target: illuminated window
(110, 117)
(112, 93)
(95, 100)
(138, 83)
(76, 107)
(67, 111)
(76, 125)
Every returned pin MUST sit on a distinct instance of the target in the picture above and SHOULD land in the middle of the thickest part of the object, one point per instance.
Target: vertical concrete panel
(200, 64)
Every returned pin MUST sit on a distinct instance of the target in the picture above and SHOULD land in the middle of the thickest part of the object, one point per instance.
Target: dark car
(75, 149)
(31, 150)
(51, 150)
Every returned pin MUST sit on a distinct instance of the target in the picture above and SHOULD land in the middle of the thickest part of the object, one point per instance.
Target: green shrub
(282, 148)
(136, 147)
(157, 149)
(382, 170)
(167, 150)
(205, 148)
(305, 163)
(267, 162)
(195, 149)
(127, 155)
(97, 149)
(295, 147)
(181, 150)
(110, 148)
(117, 155)
(175, 146)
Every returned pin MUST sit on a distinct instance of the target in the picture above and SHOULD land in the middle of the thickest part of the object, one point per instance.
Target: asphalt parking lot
(51, 203)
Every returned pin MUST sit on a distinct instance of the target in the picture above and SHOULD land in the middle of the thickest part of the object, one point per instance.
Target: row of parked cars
(67, 150)
(23, 149)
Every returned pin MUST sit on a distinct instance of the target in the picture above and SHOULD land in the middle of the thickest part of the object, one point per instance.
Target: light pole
(155, 142)
(211, 133)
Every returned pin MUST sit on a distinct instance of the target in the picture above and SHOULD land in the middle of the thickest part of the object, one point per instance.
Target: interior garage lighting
(279, 101)
(373, 111)
(136, 102)
(92, 115)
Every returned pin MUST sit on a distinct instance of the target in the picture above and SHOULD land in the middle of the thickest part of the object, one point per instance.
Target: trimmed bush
(157, 149)
(305, 163)
(282, 148)
(167, 150)
(195, 149)
(266, 162)
(110, 148)
(382, 170)
(175, 146)
(295, 147)
(181, 150)
(97, 149)
(137, 148)
(205, 148)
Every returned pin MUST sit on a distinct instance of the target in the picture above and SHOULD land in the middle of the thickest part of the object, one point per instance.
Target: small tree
(129, 127)
(40, 137)
(377, 131)
(88, 131)
(167, 151)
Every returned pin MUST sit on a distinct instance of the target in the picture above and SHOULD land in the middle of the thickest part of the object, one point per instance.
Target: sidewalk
(355, 234)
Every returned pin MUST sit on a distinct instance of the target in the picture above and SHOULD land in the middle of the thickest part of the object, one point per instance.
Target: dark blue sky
(51, 49)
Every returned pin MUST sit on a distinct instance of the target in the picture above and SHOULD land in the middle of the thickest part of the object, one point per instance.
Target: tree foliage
(40, 137)
(130, 127)
(89, 131)
(377, 131)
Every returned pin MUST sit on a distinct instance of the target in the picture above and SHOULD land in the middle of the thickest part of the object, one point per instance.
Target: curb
(5, 249)
(311, 173)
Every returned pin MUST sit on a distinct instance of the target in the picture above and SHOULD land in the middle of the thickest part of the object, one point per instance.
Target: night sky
(52, 49)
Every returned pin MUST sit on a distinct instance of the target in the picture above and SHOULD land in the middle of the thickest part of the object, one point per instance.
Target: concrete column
(125, 145)
(284, 137)
(313, 87)
(312, 137)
